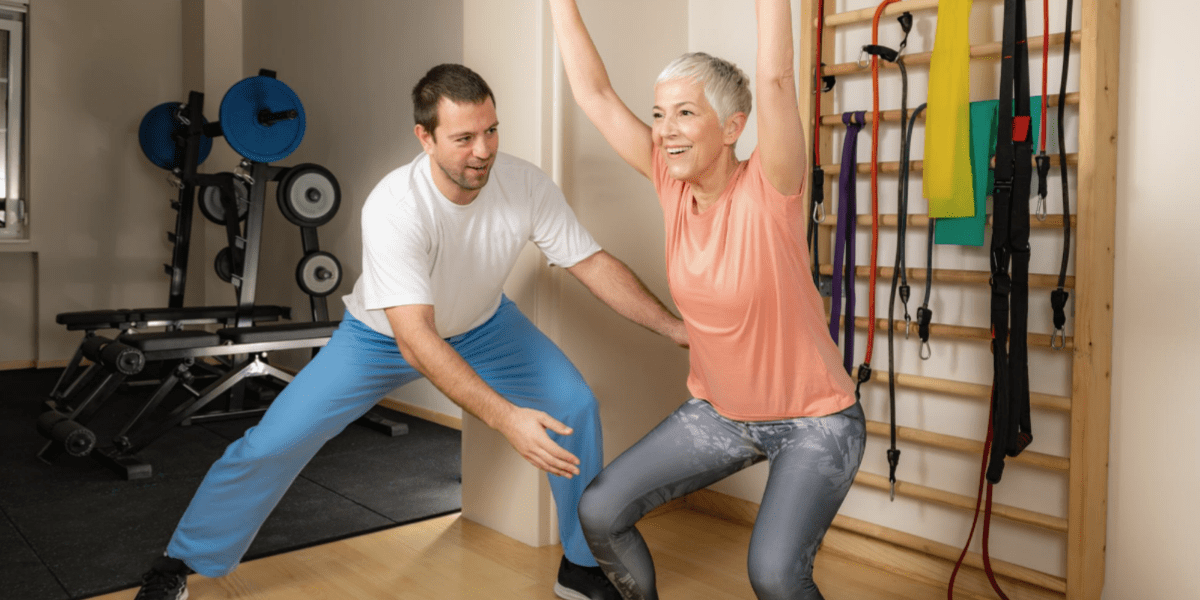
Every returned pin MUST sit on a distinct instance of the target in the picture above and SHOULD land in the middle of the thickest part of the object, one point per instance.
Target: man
(440, 236)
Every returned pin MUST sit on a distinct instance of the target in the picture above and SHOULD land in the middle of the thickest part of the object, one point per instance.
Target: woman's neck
(708, 188)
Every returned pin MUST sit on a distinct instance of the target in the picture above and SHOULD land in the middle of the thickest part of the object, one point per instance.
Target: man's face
(462, 147)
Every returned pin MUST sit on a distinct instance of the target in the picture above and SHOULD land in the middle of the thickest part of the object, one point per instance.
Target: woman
(767, 380)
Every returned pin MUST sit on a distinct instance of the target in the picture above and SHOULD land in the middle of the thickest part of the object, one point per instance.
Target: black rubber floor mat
(74, 529)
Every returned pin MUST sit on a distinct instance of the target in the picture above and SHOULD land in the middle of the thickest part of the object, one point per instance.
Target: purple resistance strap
(846, 227)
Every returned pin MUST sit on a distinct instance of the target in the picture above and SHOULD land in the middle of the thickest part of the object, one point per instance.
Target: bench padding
(279, 333)
(170, 340)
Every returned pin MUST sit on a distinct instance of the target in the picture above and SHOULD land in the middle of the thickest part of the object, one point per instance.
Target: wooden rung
(957, 444)
(989, 50)
(920, 492)
(957, 276)
(922, 221)
(893, 116)
(868, 14)
(939, 330)
(963, 389)
(950, 553)
(916, 166)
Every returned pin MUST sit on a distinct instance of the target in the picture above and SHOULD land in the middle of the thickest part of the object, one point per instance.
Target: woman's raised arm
(593, 91)
(780, 136)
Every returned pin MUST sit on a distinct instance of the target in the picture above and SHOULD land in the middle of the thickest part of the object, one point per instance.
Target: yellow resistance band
(947, 179)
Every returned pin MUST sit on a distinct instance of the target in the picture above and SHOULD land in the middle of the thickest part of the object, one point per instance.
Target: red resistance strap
(864, 371)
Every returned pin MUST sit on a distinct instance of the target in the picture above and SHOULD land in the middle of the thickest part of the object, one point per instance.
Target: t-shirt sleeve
(396, 256)
(556, 230)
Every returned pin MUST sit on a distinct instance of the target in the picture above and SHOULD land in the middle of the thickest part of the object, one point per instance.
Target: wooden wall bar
(1093, 231)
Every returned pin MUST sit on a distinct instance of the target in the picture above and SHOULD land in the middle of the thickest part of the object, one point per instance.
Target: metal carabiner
(907, 325)
(179, 115)
(1041, 208)
(926, 351)
(1058, 339)
(819, 212)
(861, 64)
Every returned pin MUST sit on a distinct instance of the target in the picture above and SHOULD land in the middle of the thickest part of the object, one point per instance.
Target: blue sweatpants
(349, 376)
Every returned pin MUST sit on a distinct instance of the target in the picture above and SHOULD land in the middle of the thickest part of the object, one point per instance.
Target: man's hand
(526, 430)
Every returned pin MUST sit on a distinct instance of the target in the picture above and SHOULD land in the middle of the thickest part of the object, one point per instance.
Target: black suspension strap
(1009, 429)
(899, 276)
(924, 314)
(1010, 247)
(1058, 297)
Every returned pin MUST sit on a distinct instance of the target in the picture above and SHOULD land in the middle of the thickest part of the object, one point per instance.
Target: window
(12, 75)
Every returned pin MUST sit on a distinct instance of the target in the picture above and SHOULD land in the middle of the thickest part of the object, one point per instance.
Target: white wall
(1154, 456)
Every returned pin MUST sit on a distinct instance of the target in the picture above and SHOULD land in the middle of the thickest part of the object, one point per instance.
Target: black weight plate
(214, 210)
(319, 274)
(224, 264)
(309, 195)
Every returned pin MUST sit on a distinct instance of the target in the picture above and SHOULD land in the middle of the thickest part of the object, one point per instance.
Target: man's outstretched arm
(617, 286)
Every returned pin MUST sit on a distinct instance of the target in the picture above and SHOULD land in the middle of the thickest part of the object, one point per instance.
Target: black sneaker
(583, 583)
(166, 580)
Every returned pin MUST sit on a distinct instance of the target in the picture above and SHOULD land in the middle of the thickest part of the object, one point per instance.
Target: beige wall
(1154, 457)
(17, 309)
(638, 377)
(353, 64)
(99, 210)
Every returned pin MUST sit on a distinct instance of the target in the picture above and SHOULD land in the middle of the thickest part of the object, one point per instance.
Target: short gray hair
(726, 87)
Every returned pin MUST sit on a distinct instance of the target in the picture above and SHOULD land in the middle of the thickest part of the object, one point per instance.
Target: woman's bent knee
(775, 578)
(597, 511)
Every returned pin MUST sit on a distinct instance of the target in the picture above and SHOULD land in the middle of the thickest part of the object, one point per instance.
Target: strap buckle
(1043, 169)
(883, 52)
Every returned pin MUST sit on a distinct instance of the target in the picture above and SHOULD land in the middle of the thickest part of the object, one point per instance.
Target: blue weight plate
(240, 110)
(155, 135)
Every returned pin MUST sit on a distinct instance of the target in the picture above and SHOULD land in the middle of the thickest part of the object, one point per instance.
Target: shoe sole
(563, 592)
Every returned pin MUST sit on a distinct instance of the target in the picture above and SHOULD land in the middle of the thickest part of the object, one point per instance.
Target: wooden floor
(697, 557)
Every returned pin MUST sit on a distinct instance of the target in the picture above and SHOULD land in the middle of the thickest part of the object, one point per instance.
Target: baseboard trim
(849, 540)
(13, 365)
(422, 413)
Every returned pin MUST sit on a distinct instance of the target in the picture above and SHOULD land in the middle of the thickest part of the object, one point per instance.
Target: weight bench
(129, 353)
(173, 319)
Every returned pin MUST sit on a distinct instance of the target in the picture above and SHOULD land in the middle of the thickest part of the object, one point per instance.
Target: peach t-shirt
(760, 345)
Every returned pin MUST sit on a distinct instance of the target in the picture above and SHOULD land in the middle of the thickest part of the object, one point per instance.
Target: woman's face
(686, 129)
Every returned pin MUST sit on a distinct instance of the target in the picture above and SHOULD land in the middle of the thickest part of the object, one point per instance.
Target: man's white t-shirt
(421, 248)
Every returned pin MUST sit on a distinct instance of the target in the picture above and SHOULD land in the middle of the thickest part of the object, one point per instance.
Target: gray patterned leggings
(812, 460)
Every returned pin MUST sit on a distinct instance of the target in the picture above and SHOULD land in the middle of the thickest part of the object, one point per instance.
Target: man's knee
(574, 401)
